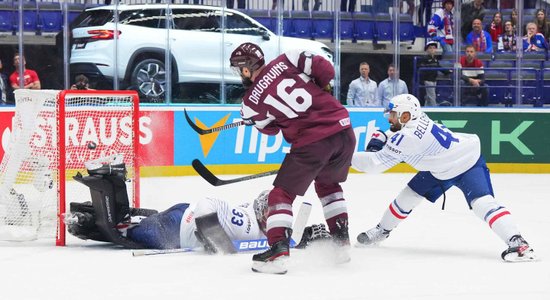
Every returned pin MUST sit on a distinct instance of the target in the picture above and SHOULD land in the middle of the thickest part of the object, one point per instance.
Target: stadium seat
(50, 16)
(30, 17)
(406, 28)
(384, 27)
(6, 17)
(286, 22)
(364, 25)
(323, 24)
(546, 85)
(262, 16)
(74, 10)
(301, 24)
(347, 31)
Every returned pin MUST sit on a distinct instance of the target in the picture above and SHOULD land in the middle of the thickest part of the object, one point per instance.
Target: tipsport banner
(245, 144)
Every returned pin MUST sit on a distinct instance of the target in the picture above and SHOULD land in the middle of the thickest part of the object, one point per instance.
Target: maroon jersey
(287, 95)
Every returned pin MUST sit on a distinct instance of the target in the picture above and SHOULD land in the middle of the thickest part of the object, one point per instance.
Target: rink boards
(513, 140)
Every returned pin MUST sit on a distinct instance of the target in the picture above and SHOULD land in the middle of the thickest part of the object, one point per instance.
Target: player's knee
(482, 205)
(408, 199)
(325, 189)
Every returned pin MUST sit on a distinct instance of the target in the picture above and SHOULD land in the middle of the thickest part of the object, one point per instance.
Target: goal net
(53, 134)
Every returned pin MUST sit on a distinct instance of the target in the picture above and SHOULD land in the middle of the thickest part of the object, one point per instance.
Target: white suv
(194, 38)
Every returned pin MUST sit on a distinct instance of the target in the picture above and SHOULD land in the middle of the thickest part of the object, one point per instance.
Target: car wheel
(149, 78)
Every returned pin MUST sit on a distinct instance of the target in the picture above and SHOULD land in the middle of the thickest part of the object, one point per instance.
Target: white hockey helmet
(405, 103)
(260, 209)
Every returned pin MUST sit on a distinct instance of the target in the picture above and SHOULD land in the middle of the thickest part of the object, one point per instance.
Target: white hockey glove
(313, 233)
(377, 141)
(249, 122)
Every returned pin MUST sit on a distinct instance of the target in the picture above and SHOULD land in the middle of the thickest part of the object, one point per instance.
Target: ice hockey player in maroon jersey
(289, 95)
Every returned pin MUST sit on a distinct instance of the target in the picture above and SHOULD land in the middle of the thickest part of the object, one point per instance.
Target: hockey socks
(400, 208)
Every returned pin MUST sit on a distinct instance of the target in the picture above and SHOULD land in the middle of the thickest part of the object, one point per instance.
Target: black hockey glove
(377, 141)
(313, 233)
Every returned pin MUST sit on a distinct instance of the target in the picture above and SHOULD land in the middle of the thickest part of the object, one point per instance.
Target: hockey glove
(249, 122)
(313, 233)
(377, 141)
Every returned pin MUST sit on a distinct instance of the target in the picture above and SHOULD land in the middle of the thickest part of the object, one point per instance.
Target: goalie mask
(260, 209)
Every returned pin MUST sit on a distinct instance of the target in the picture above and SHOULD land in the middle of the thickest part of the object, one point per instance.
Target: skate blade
(277, 266)
(528, 256)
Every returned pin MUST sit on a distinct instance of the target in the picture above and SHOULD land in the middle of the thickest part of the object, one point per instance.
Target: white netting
(97, 124)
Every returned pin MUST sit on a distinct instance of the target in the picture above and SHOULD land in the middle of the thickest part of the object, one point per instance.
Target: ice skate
(518, 250)
(273, 260)
(373, 236)
(341, 242)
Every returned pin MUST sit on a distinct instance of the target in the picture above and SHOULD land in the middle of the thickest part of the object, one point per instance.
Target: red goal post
(54, 133)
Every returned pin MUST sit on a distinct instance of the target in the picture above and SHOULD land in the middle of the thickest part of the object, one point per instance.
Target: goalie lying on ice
(210, 223)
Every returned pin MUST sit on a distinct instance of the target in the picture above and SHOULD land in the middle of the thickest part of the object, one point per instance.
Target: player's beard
(395, 127)
(247, 82)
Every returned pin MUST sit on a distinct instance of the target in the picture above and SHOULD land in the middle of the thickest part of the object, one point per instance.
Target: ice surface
(434, 254)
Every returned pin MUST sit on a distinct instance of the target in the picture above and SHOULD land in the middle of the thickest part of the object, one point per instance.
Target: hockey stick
(144, 252)
(201, 169)
(210, 130)
(245, 245)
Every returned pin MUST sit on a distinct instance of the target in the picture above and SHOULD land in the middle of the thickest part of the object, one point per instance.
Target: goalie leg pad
(110, 203)
(160, 231)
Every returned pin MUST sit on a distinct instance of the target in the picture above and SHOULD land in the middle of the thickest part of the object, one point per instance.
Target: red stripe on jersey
(493, 219)
(396, 214)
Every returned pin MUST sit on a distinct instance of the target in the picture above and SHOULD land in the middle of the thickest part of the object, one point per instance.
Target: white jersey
(426, 146)
(239, 222)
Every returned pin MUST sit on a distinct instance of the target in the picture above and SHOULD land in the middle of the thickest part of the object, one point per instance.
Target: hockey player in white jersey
(443, 159)
(209, 223)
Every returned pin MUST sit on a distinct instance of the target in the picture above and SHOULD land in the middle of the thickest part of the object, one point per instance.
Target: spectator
(274, 6)
(534, 41)
(81, 83)
(468, 13)
(241, 4)
(187, 1)
(496, 28)
(507, 4)
(479, 38)
(3, 86)
(344, 5)
(543, 26)
(30, 78)
(473, 77)
(507, 40)
(386, 90)
(407, 9)
(362, 91)
(316, 6)
(441, 27)
(428, 77)
(514, 19)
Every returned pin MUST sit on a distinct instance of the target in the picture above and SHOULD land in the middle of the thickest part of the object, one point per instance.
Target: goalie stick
(210, 130)
(245, 245)
(201, 169)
